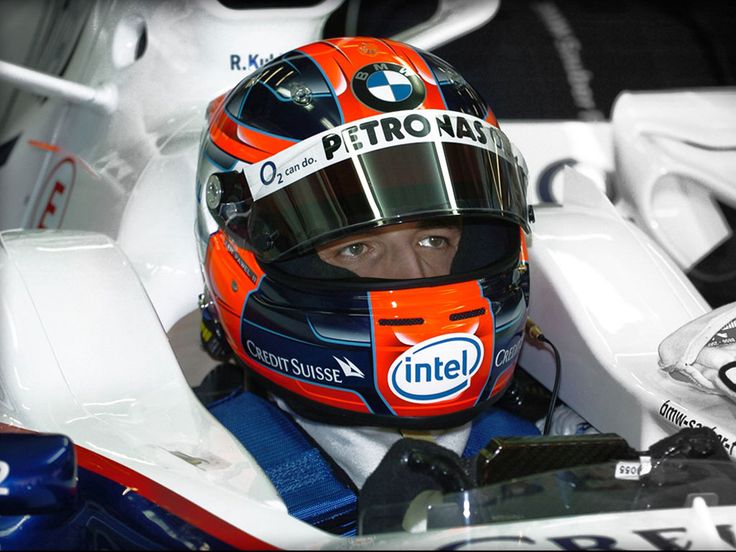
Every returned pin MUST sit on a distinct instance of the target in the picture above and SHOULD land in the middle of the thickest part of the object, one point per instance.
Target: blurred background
(533, 60)
(569, 59)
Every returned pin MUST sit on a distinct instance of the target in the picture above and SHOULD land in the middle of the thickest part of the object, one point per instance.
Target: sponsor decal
(506, 356)
(436, 369)
(373, 133)
(546, 179)
(663, 538)
(411, 128)
(55, 195)
(249, 62)
(348, 368)
(388, 87)
(569, 48)
(725, 336)
(241, 263)
(305, 370)
(269, 174)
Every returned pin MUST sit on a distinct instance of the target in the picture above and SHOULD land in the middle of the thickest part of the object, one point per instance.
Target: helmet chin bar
(358, 355)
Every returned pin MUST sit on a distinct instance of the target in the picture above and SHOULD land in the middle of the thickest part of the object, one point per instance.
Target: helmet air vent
(467, 314)
(400, 321)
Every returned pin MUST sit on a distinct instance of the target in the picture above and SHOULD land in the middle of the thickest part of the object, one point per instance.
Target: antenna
(104, 97)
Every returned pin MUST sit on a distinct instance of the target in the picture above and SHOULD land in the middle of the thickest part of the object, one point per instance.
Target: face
(400, 251)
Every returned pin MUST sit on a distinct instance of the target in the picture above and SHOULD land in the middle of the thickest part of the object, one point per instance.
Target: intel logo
(436, 369)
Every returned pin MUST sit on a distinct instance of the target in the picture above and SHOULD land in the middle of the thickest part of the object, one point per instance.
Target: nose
(404, 263)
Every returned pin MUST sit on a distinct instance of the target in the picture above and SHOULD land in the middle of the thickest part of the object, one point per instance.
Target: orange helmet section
(233, 274)
(433, 348)
(342, 61)
(229, 282)
(524, 255)
(239, 141)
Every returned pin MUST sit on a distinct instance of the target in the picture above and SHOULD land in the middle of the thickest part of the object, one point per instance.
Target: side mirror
(38, 473)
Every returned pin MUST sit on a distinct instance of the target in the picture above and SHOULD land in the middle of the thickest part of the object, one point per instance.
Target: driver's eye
(435, 242)
(352, 250)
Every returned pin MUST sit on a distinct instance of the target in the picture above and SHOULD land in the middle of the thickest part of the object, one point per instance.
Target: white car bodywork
(84, 313)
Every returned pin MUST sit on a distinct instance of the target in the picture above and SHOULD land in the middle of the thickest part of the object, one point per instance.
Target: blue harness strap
(301, 475)
(495, 422)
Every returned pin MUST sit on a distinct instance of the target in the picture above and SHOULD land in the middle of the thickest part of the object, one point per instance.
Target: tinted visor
(414, 180)
(486, 244)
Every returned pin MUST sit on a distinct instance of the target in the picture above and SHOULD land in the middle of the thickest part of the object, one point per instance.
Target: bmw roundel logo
(388, 87)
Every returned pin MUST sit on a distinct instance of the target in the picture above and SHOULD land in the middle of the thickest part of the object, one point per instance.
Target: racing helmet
(343, 136)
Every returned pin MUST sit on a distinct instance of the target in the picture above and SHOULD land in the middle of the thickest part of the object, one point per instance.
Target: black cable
(555, 387)
(535, 333)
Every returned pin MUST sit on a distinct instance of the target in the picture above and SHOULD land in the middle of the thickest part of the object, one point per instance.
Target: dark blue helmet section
(457, 93)
(290, 98)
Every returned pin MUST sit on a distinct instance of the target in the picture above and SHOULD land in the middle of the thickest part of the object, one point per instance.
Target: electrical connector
(533, 330)
(535, 333)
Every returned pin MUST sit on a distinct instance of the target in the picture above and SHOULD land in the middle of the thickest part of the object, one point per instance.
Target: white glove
(704, 352)
(565, 421)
